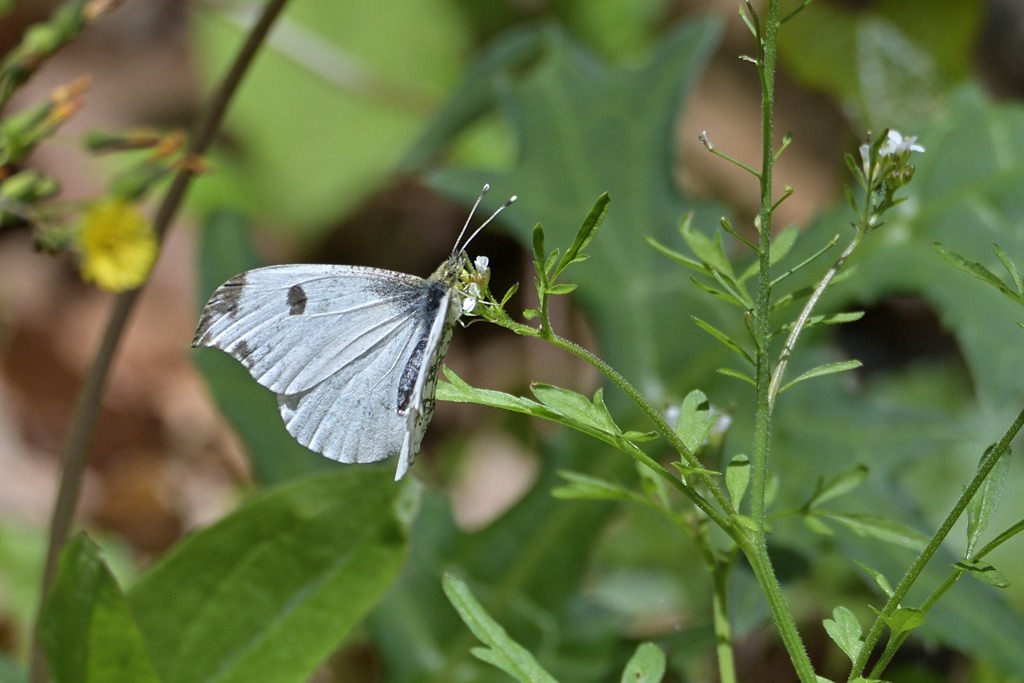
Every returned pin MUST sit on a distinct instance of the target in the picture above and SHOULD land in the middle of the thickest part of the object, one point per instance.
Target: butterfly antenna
(484, 224)
(455, 249)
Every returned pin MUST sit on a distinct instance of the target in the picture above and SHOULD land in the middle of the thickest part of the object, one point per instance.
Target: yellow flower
(117, 245)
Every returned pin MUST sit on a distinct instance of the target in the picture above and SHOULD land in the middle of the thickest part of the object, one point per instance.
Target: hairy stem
(915, 570)
(74, 457)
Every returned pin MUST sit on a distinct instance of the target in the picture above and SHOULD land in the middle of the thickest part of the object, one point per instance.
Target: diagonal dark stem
(83, 422)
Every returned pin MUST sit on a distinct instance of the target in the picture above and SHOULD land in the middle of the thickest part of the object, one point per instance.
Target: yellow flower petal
(117, 245)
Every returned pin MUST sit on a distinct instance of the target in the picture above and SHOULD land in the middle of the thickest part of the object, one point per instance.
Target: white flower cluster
(894, 145)
(473, 280)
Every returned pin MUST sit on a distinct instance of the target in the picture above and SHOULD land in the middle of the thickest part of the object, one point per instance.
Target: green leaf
(722, 337)
(549, 263)
(686, 470)
(587, 232)
(879, 527)
(971, 267)
(737, 477)
(585, 487)
(709, 251)
(1011, 268)
(844, 629)
(335, 82)
(983, 571)
(879, 578)
(821, 370)
(570, 404)
(841, 484)
(86, 628)
(986, 500)
(729, 372)
(677, 257)
(783, 243)
(695, 420)
(902, 620)
(270, 590)
(503, 652)
(647, 665)
(555, 290)
(817, 526)
(539, 253)
(275, 455)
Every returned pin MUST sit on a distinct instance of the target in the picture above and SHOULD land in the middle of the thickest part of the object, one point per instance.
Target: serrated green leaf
(1011, 268)
(647, 665)
(588, 230)
(983, 571)
(878, 577)
(268, 592)
(902, 620)
(86, 628)
(695, 420)
(722, 337)
(582, 486)
(844, 629)
(737, 477)
(503, 652)
(822, 370)
(986, 500)
(879, 527)
(576, 406)
(842, 483)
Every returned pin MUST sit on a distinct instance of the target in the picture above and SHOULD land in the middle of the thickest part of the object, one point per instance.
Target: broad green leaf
(590, 488)
(647, 665)
(902, 620)
(879, 527)
(331, 107)
(86, 629)
(503, 652)
(695, 420)
(983, 571)
(842, 483)
(10, 672)
(821, 370)
(737, 477)
(878, 577)
(225, 251)
(985, 501)
(270, 591)
(577, 407)
(844, 629)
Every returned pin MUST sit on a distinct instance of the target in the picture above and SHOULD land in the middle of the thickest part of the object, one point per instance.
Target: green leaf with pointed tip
(589, 488)
(985, 501)
(983, 571)
(709, 251)
(724, 338)
(878, 577)
(817, 526)
(842, 483)
(677, 257)
(252, 410)
(539, 252)
(902, 620)
(647, 665)
(737, 477)
(970, 267)
(588, 230)
(844, 629)
(822, 370)
(879, 527)
(1011, 268)
(503, 652)
(781, 246)
(86, 628)
(695, 420)
(268, 592)
(576, 406)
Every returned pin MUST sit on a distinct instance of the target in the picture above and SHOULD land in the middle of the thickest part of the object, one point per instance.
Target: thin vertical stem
(723, 631)
(74, 457)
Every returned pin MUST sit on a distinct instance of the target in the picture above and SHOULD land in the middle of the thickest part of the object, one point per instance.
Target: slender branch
(801, 322)
(915, 570)
(723, 631)
(83, 423)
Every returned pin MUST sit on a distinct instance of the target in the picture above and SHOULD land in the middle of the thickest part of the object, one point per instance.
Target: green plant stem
(723, 631)
(805, 314)
(757, 549)
(933, 545)
(74, 457)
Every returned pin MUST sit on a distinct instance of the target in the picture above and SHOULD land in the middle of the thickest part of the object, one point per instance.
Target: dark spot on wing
(297, 300)
(224, 302)
(241, 350)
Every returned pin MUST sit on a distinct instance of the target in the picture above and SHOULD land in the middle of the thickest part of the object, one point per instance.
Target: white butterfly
(352, 353)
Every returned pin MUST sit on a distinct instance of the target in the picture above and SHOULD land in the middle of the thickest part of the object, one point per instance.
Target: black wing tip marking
(224, 302)
(296, 300)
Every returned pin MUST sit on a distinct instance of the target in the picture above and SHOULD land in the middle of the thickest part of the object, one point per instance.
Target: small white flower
(482, 263)
(897, 144)
(470, 296)
(865, 154)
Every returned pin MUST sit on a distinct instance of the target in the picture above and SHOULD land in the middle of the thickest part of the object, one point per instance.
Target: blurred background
(326, 157)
